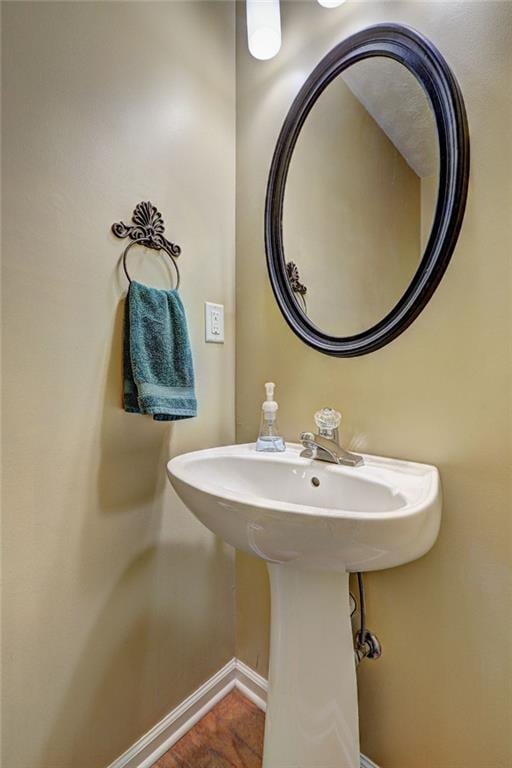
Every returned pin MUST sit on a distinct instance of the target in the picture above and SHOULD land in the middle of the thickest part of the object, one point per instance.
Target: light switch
(214, 322)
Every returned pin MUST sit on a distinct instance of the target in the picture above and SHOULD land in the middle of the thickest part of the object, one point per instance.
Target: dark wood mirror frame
(424, 61)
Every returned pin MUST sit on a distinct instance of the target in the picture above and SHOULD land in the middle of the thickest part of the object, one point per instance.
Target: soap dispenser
(269, 438)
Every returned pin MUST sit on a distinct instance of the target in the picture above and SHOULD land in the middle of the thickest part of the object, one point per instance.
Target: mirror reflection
(360, 196)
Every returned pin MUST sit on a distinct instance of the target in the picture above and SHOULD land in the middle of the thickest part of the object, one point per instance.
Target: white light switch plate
(214, 322)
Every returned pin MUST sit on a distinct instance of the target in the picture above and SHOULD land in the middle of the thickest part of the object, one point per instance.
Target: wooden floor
(229, 736)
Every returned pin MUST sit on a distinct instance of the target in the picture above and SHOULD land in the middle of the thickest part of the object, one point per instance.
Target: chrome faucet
(325, 445)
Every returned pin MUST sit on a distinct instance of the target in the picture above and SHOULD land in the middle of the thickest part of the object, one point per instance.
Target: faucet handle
(328, 420)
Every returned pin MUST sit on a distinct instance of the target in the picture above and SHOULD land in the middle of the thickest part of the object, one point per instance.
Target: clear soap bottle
(269, 438)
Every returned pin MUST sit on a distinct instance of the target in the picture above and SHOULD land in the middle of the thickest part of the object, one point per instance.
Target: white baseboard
(174, 725)
(235, 674)
(251, 684)
(367, 763)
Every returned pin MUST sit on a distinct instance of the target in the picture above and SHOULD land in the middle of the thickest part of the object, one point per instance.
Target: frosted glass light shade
(263, 28)
(331, 3)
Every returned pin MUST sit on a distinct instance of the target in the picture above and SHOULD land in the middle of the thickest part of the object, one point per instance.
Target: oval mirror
(367, 191)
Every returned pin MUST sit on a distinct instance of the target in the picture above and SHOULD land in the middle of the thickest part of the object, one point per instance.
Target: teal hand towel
(158, 368)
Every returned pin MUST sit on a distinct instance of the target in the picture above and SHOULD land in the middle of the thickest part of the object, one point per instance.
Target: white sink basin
(313, 523)
(382, 514)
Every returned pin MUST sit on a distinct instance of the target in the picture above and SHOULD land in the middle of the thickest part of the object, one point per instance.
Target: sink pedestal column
(312, 718)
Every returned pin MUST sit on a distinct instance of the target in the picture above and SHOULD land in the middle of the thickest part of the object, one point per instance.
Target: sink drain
(315, 481)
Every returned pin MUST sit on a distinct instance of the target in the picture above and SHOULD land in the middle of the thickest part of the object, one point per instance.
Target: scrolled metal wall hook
(147, 230)
(297, 287)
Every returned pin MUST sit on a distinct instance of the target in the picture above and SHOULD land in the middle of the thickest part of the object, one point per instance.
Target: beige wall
(117, 602)
(440, 697)
(345, 172)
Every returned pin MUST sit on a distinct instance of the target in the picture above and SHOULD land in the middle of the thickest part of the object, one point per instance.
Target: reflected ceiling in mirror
(360, 196)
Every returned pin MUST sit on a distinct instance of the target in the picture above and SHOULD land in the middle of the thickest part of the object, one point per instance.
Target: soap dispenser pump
(269, 438)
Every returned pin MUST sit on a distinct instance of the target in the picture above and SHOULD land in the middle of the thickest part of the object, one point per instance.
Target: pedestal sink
(313, 523)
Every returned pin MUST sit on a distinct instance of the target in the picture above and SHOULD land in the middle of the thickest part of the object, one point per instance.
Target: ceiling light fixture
(263, 28)
(331, 3)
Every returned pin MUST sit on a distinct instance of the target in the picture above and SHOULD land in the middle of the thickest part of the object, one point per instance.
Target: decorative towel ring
(297, 287)
(148, 230)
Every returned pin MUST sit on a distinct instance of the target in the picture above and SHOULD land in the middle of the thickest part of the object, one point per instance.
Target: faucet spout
(324, 449)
